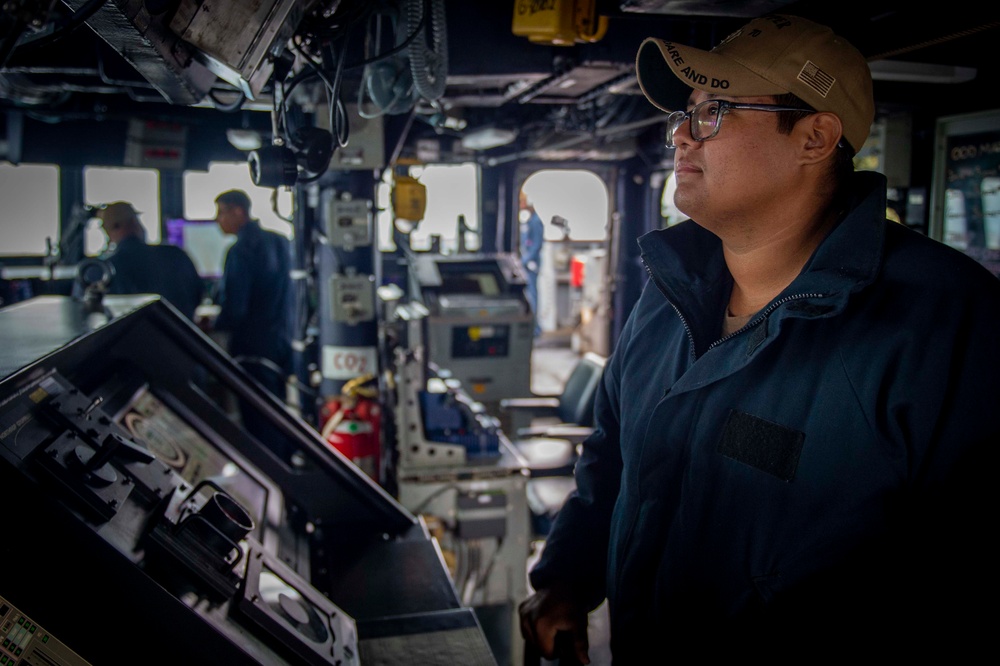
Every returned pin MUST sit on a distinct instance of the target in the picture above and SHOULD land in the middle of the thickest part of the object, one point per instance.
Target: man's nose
(683, 134)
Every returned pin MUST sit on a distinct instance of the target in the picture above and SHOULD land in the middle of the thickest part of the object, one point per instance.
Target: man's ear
(820, 134)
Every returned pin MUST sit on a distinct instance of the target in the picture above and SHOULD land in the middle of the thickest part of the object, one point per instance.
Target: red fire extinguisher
(351, 424)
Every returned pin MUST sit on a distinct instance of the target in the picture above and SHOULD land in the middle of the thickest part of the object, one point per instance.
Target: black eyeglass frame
(677, 118)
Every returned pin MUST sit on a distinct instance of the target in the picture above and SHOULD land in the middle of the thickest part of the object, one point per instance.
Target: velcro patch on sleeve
(769, 447)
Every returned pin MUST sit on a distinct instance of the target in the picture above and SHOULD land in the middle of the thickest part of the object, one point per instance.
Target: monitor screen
(203, 241)
(467, 277)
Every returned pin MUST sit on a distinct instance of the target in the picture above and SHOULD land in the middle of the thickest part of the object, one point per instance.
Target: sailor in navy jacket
(823, 473)
(796, 433)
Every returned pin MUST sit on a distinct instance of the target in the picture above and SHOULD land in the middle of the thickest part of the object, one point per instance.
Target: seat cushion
(546, 452)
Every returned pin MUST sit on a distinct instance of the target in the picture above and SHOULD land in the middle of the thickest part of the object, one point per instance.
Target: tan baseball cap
(117, 215)
(770, 55)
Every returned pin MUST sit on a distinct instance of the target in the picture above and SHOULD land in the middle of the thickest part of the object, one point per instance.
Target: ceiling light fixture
(919, 72)
(485, 138)
(244, 139)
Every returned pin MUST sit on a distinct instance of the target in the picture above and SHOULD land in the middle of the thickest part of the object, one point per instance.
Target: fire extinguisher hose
(349, 393)
(356, 387)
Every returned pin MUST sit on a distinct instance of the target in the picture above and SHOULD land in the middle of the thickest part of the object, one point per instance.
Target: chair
(569, 415)
(557, 425)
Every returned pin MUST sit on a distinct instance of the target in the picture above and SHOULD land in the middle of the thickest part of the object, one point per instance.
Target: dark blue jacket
(820, 475)
(156, 269)
(256, 305)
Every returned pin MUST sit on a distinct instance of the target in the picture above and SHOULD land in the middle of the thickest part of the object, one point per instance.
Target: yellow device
(558, 22)
(409, 195)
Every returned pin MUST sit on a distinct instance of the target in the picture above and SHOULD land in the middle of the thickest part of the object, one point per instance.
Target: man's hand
(548, 614)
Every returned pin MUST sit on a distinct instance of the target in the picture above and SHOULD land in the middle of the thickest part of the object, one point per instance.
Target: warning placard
(348, 362)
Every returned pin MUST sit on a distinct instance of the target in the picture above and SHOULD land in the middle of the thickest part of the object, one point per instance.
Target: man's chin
(686, 203)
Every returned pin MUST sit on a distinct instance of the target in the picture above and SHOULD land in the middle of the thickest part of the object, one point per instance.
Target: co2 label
(348, 362)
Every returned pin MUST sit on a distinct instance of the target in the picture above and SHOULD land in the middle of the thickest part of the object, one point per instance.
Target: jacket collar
(129, 241)
(249, 228)
(687, 265)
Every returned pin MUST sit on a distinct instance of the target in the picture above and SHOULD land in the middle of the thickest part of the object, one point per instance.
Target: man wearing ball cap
(773, 55)
(795, 432)
(140, 268)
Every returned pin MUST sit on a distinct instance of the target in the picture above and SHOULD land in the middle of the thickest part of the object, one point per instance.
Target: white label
(349, 362)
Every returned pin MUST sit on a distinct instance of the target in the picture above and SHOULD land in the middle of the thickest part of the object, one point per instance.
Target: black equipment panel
(473, 341)
(143, 509)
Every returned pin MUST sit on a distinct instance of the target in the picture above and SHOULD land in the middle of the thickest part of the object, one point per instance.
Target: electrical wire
(274, 208)
(394, 50)
(402, 94)
(488, 569)
(428, 62)
(315, 70)
(332, 59)
(228, 107)
(433, 496)
(470, 584)
(338, 113)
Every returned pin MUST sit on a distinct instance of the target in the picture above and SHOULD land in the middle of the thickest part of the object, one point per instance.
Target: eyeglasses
(706, 118)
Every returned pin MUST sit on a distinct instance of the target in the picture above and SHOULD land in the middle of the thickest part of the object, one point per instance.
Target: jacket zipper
(762, 315)
(687, 329)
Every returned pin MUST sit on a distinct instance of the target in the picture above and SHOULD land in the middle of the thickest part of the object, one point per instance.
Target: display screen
(177, 444)
(204, 242)
(482, 283)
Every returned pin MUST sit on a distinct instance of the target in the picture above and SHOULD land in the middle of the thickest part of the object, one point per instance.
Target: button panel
(24, 641)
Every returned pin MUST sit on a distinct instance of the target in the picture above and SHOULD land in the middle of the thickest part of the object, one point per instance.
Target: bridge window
(30, 212)
(668, 211)
(572, 279)
(452, 190)
(578, 197)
